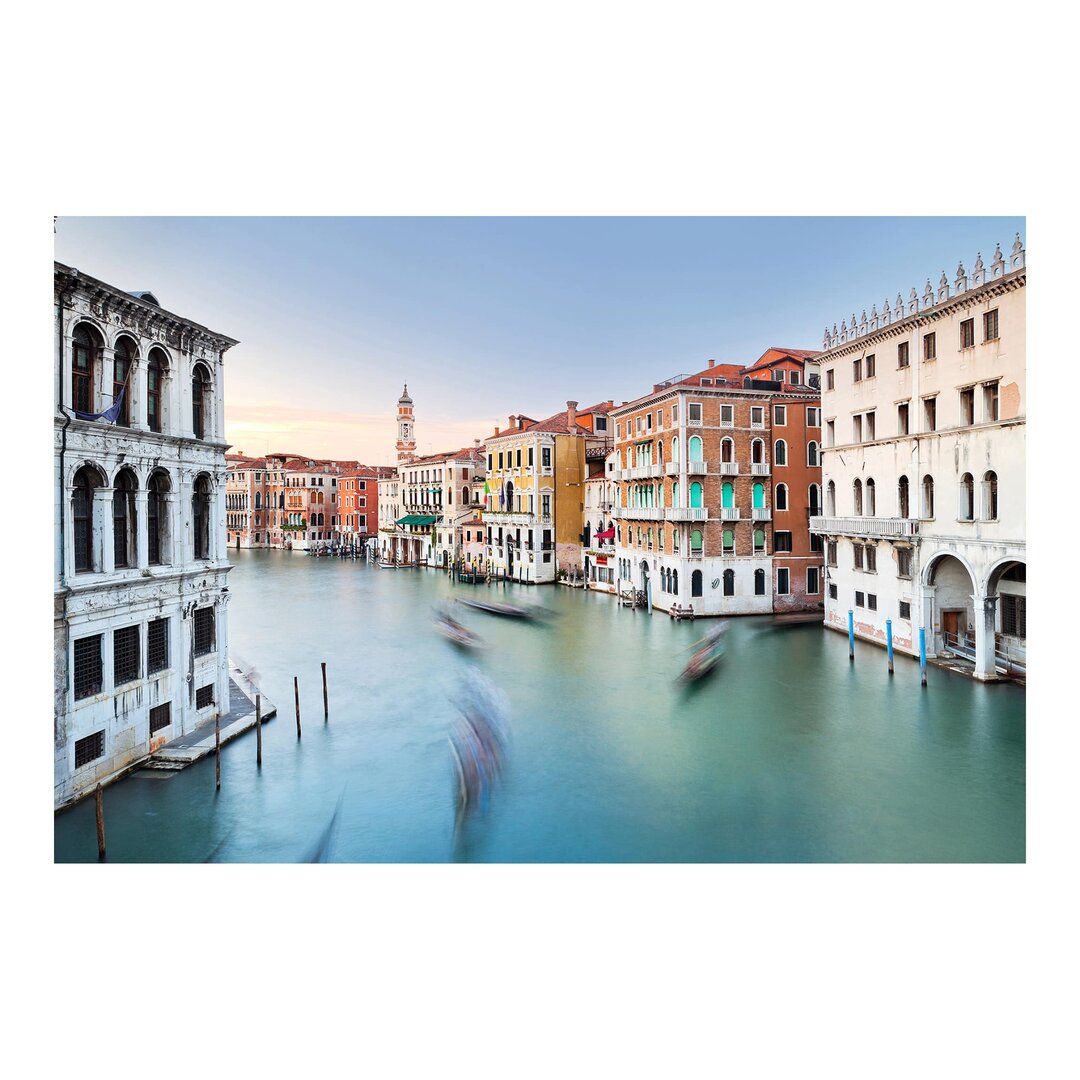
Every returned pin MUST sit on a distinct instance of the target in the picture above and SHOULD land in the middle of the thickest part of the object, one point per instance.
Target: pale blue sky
(490, 316)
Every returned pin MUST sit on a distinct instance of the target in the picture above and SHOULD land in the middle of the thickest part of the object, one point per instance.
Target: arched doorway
(953, 622)
(1006, 597)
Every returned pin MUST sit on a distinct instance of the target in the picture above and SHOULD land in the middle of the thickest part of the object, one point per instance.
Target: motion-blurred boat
(493, 607)
(708, 654)
(457, 634)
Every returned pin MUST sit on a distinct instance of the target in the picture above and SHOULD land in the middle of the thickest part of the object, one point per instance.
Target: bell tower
(406, 437)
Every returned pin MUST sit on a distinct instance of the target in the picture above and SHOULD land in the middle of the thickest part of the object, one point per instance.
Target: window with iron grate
(89, 748)
(204, 631)
(125, 655)
(86, 675)
(157, 646)
(905, 609)
(204, 696)
(160, 717)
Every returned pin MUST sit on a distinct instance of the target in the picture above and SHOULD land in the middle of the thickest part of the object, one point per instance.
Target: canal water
(787, 753)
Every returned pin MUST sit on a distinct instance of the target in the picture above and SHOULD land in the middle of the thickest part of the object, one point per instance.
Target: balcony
(697, 468)
(885, 528)
(762, 513)
(759, 468)
(729, 468)
(507, 517)
(643, 472)
(671, 468)
(687, 513)
(638, 513)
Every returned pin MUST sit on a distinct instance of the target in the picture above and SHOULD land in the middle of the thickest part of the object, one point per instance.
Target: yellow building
(535, 491)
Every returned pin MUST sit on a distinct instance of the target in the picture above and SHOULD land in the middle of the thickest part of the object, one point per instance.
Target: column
(136, 396)
(985, 621)
(221, 634)
(142, 524)
(103, 533)
(927, 618)
(182, 549)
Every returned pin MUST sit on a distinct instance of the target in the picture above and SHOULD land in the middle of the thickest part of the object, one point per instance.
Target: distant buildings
(924, 469)
(716, 474)
(139, 593)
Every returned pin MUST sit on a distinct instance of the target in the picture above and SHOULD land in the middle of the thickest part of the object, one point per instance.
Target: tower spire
(406, 440)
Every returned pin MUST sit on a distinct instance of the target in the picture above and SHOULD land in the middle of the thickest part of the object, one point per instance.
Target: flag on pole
(110, 414)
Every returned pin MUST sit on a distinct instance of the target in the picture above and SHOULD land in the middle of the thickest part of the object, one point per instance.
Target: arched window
(928, 496)
(729, 541)
(124, 525)
(200, 400)
(695, 494)
(757, 452)
(990, 496)
(814, 498)
(727, 495)
(857, 497)
(695, 583)
(830, 499)
(694, 448)
(157, 365)
(675, 448)
(675, 581)
(156, 518)
(729, 582)
(695, 541)
(780, 497)
(258, 500)
(123, 362)
(903, 497)
(759, 541)
(871, 498)
(85, 351)
(966, 509)
(82, 509)
(779, 452)
(759, 582)
(200, 517)
(464, 495)
(659, 452)
(759, 496)
(727, 449)
(812, 458)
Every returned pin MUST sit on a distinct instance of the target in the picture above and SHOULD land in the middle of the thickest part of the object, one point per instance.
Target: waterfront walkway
(200, 741)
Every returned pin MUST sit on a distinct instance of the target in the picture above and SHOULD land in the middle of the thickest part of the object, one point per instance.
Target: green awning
(417, 519)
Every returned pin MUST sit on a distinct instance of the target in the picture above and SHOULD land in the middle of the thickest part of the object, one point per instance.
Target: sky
(488, 317)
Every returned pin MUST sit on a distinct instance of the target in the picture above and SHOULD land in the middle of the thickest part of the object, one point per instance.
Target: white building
(924, 407)
(597, 547)
(139, 594)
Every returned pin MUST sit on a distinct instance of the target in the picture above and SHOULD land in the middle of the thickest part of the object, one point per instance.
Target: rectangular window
(990, 325)
(780, 415)
(757, 416)
(125, 655)
(795, 378)
(857, 555)
(856, 428)
(830, 379)
(871, 558)
(783, 581)
(693, 412)
(930, 413)
(967, 406)
(157, 646)
(517, 458)
(871, 427)
(675, 413)
(782, 541)
(204, 631)
(856, 370)
(830, 433)
(817, 545)
(990, 402)
(648, 422)
(545, 505)
(1014, 615)
(601, 422)
(832, 552)
(903, 420)
(833, 592)
(967, 334)
(813, 580)
(870, 366)
(89, 748)
(706, 382)
(929, 347)
(813, 417)
(903, 562)
(160, 717)
(500, 460)
(545, 457)
(871, 601)
(905, 609)
(860, 600)
(727, 415)
(86, 674)
(902, 357)
(204, 696)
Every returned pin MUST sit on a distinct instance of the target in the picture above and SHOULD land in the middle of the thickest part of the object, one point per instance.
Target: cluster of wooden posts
(99, 808)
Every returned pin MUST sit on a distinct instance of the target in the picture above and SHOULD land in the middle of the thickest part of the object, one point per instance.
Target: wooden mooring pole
(217, 752)
(258, 730)
(296, 691)
(99, 813)
(325, 698)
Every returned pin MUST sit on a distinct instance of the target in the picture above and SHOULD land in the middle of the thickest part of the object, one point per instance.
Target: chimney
(511, 422)
(712, 363)
(571, 416)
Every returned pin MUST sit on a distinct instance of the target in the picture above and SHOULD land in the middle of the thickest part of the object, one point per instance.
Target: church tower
(406, 440)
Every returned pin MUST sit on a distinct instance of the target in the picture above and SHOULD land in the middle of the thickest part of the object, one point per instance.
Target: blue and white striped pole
(851, 635)
(922, 653)
(888, 642)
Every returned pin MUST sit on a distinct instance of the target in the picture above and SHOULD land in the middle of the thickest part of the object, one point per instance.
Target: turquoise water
(787, 753)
